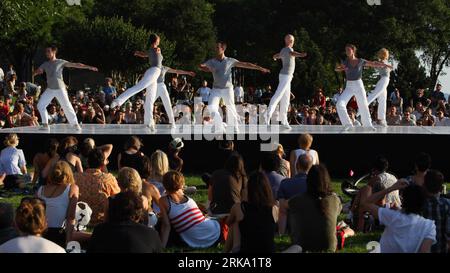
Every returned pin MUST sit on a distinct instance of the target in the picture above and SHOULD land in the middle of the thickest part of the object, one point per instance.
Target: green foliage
(110, 43)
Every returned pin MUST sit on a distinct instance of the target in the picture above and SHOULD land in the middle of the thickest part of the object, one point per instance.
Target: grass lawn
(355, 244)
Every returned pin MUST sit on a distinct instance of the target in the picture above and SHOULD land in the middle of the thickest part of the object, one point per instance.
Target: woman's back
(11, 159)
(56, 207)
(257, 229)
(131, 159)
(314, 155)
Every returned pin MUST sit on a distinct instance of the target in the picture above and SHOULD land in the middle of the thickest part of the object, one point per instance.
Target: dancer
(148, 81)
(283, 94)
(56, 88)
(380, 91)
(221, 68)
(353, 68)
(162, 92)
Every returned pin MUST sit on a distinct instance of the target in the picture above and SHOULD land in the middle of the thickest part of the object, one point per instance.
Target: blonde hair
(129, 180)
(305, 141)
(61, 174)
(280, 150)
(11, 140)
(383, 54)
(159, 164)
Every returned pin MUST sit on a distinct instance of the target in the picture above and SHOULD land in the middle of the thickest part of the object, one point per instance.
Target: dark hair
(133, 142)
(318, 184)
(270, 162)
(225, 144)
(304, 162)
(223, 44)
(53, 47)
(422, 162)
(96, 158)
(30, 216)
(413, 199)
(125, 206)
(380, 164)
(68, 145)
(173, 181)
(146, 167)
(6, 215)
(153, 38)
(352, 46)
(259, 190)
(433, 182)
(235, 165)
(51, 146)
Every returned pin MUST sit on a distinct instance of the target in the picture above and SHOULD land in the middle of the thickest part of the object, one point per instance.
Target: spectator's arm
(106, 149)
(165, 223)
(49, 166)
(425, 247)
(119, 164)
(70, 215)
(36, 171)
(79, 166)
(292, 159)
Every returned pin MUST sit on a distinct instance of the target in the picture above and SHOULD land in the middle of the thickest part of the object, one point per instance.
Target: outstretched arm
(340, 68)
(203, 67)
(252, 66)
(277, 56)
(378, 65)
(81, 66)
(38, 71)
(141, 54)
(298, 54)
(181, 72)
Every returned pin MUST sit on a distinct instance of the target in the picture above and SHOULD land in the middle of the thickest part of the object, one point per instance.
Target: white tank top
(194, 228)
(312, 153)
(56, 207)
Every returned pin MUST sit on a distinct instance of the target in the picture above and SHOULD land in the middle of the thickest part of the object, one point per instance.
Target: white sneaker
(347, 127)
(286, 126)
(371, 128)
(151, 127)
(383, 123)
(77, 127)
(44, 127)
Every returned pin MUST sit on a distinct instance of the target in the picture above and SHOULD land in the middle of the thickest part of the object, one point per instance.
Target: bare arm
(81, 66)
(181, 72)
(204, 68)
(340, 68)
(282, 217)
(292, 160)
(426, 246)
(277, 56)
(377, 65)
(251, 66)
(70, 217)
(165, 224)
(107, 149)
(140, 54)
(298, 54)
(38, 71)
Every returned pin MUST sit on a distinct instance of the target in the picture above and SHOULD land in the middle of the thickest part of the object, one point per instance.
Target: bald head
(289, 40)
(304, 163)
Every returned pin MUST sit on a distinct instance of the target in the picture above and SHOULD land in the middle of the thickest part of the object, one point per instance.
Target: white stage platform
(127, 129)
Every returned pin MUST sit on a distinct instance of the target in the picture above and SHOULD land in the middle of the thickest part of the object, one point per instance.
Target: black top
(126, 237)
(226, 191)
(175, 162)
(132, 161)
(257, 229)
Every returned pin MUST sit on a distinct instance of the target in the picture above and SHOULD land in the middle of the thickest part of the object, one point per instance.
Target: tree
(109, 44)
(28, 24)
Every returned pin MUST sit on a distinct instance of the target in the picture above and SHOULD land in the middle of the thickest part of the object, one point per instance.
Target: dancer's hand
(95, 69)
(303, 54)
(192, 74)
(265, 70)
(401, 184)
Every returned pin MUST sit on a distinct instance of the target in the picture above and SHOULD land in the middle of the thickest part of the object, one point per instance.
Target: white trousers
(161, 92)
(63, 99)
(380, 94)
(227, 95)
(149, 82)
(354, 88)
(282, 96)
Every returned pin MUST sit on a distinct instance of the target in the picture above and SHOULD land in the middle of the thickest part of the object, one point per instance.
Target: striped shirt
(438, 210)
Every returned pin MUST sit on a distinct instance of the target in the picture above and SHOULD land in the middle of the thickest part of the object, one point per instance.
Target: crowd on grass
(147, 207)
(18, 105)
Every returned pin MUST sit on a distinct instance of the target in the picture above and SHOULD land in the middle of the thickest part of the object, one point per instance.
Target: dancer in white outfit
(221, 67)
(162, 92)
(148, 81)
(283, 94)
(353, 68)
(56, 88)
(380, 91)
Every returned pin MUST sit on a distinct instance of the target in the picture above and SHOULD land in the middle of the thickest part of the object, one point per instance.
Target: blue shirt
(11, 159)
(291, 187)
(275, 181)
(109, 90)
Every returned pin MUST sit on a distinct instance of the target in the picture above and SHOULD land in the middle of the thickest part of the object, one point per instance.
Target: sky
(445, 81)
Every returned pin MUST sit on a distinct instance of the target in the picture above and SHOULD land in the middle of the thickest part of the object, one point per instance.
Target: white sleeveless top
(56, 207)
(312, 153)
(194, 228)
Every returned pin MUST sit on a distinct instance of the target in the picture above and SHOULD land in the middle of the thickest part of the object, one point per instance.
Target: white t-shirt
(2, 75)
(404, 233)
(239, 94)
(30, 244)
(204, 93)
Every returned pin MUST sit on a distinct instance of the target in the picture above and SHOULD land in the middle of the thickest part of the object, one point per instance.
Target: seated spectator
(396, 100)
(422, 163)
(419, 111)
(132, 155)
(437, 208)
(427, 118)
(441, 120)
(12, 163)
(313, 215)
(393, 118)
(60, 195)
(305, 142)
(270, 163)
(122, 231)
(285, 166)
(291, 187)
(67, 151)
(110, 91)
(405, 231)
(88, 145)
(175, 161)
(31, 224)
(182, 214)
(158, 166)
(149, 189)
(228, 186)
(252, 221)
(40, 160)
(19, 118)
(96, 186)
(7, 231)
(407, 119)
